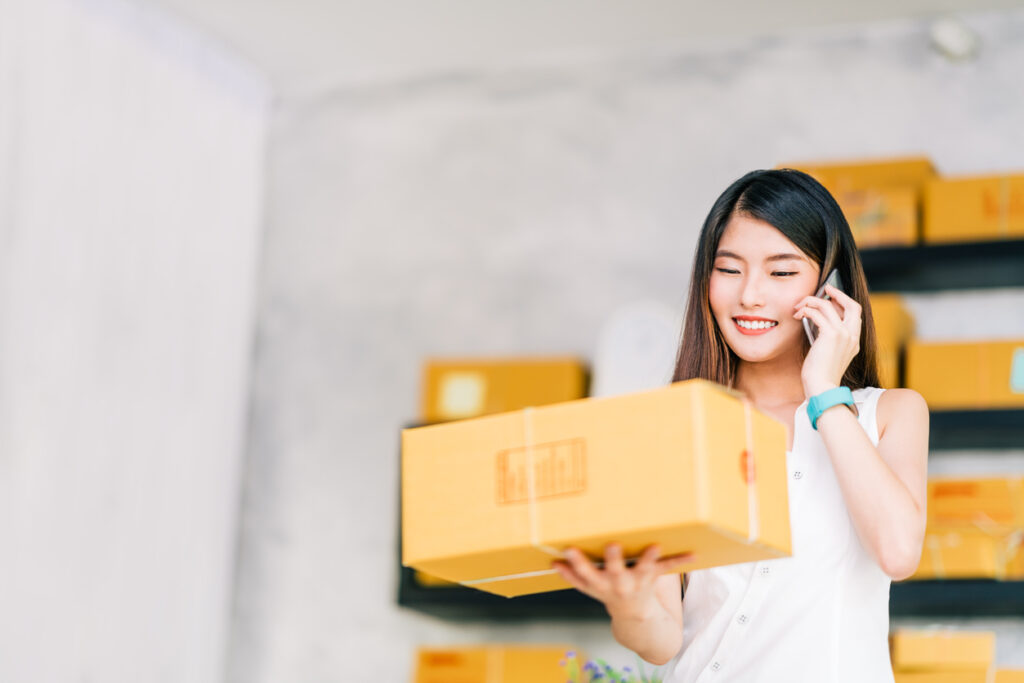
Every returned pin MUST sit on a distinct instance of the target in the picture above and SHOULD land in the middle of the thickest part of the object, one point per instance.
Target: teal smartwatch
(825, 400)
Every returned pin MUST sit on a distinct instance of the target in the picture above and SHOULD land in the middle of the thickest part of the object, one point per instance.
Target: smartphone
(833, 279)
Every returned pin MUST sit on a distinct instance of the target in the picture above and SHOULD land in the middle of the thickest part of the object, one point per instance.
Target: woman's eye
(728, 271)
(783, 274)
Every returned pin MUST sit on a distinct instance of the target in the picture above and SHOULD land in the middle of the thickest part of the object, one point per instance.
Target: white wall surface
(131, 179)
(511, 211)
(307, 45)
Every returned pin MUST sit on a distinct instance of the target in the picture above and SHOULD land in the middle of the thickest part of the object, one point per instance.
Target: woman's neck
(771, 383)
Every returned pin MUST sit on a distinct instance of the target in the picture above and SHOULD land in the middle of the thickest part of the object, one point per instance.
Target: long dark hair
(802, 210)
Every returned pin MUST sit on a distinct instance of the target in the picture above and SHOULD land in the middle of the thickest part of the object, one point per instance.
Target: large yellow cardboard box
(943, 649)
(893, 327)
(980, 500)
(967, 375)
(1010, 676)
(456, 389)
(491, 502)
(972, 209)
(491, 664)
(970, 552)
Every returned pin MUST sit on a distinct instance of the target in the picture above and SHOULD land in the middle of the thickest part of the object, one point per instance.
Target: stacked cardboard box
(975, 529)
(491, 502)
(974, 209)
(880, 199)
(455, 389)
(967, 375)
(491, 664)
(943, 656)
(893, 327)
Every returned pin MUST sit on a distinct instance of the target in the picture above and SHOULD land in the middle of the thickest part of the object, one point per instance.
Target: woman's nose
(751, 295)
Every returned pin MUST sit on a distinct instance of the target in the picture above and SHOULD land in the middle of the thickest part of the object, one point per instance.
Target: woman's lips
(762, 325)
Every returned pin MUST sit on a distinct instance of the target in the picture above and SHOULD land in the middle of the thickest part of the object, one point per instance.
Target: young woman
(857, 458)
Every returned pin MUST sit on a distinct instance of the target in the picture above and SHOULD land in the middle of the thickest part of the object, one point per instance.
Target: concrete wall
(511, 211)
(131, 191)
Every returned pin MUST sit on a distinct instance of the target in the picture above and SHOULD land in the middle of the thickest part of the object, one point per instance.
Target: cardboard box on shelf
(894, 325)
(881, 199)
(967, 375)
(971, 552)
(491, 502)
(455, 389)
(846, 176)
(491, 664)
(882, 217)
(941, 677)
(978, 208)
(942, 649)
(986, 501)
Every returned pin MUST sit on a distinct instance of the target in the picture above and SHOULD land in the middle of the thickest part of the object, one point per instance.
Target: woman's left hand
(838, 341)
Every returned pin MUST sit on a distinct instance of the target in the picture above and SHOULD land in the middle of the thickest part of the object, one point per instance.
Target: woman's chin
(758, 352)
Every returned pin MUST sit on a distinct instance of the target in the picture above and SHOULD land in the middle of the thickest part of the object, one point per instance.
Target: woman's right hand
(625, 591)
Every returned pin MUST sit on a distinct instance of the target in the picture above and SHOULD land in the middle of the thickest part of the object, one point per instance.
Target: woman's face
(757, 278)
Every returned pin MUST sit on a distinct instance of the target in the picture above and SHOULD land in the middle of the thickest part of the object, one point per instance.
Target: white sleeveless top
(820, 616)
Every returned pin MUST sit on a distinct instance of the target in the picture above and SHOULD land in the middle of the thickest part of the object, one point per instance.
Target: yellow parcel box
(870, 173)
(980, 500)
(976, 552)
(878, 217)
(893, 327)
(491, 502)
(971, 209)
(967, 375)
(943, 649)
(455, 389)
(977, 676)
(881, 199)
(1010, 676)
(491, 664)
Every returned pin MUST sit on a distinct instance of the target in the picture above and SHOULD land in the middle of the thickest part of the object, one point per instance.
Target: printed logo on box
(559, 469)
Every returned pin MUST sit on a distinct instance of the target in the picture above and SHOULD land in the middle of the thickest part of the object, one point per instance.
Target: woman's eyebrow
(785, 257)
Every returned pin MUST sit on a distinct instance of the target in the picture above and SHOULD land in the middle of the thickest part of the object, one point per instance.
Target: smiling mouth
(748, 326)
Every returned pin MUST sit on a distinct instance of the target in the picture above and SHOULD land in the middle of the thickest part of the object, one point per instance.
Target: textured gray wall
(131, 185)
(487, 212)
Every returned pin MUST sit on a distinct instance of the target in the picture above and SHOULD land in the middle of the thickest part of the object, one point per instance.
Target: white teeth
(755, 324)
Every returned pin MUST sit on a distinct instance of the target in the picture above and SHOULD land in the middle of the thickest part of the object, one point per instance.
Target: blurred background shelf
(935, 267)
(940, 598)
(981, 429)
(957, 598)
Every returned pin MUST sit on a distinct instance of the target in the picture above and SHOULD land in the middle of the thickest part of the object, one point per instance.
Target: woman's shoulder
(901, 405)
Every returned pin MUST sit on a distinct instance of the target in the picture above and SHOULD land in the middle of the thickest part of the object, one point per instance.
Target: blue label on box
(1017, 371)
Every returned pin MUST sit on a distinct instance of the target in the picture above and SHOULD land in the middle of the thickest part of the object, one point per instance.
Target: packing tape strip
(753, 503)
(531, 487)
(934, 545)
(495, 664)
(532, 511)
